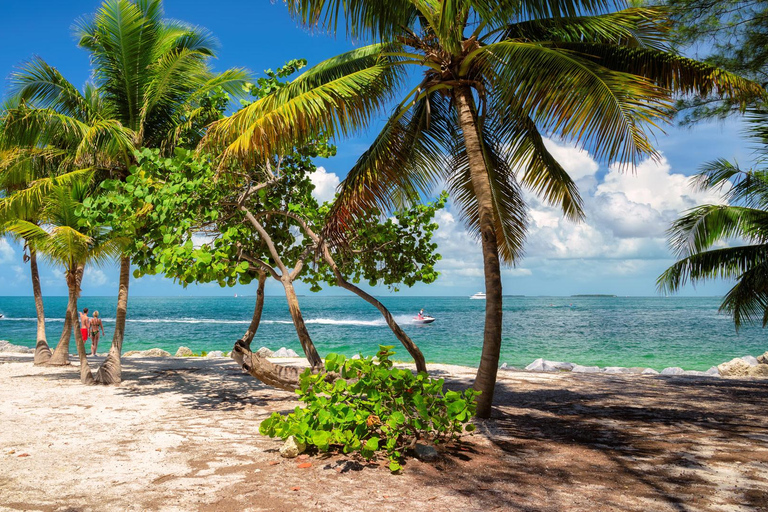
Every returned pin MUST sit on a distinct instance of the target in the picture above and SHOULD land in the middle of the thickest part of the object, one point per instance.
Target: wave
(402, 319)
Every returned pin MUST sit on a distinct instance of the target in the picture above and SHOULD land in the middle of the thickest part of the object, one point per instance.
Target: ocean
(654, 332)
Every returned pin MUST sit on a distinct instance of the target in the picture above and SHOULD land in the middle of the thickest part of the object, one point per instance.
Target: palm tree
(151, 79)
(699, 235)
(61, 239)
(496, 77)
(24, 182)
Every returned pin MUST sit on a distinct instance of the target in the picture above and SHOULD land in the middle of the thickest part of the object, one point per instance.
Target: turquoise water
(653, 332)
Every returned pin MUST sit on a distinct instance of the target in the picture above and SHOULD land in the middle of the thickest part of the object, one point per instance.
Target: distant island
(594, 295)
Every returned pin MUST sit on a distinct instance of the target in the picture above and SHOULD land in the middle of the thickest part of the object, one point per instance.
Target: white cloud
(94, 277)
(325, 184)
(627, 215)
(7, 254)
(576, 162)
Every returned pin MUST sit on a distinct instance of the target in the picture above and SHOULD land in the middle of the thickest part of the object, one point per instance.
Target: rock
(734, 368)
(650, 371)
(215, 353)
(763, 359)
(264, 352)
(577, 368)
(292, 448)
(285, 352)
(760, 371)
(675, 370)
(184, 352)
(713, 372)
(503, 366)
(7, 346)
(542, 365)
(751, 361)
(153, 352)
(617, 369)
(426, 452)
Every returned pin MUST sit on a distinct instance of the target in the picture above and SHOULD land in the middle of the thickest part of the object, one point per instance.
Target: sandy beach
(182, 434)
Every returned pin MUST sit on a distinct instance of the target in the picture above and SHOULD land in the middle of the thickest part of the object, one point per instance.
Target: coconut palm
(25, 179)
(60, 238)
(496, 78)
(152, 78)
(700, 236)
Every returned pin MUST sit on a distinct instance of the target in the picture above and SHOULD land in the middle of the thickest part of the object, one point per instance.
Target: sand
(182, 434)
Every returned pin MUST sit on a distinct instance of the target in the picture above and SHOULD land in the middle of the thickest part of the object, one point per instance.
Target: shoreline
(744, 366)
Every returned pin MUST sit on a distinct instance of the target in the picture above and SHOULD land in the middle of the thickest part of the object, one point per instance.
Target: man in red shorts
(85, 323)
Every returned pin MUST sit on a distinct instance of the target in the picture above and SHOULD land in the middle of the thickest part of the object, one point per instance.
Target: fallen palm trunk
(271, 374)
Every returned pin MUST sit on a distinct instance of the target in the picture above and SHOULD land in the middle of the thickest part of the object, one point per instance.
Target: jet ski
(423, 320)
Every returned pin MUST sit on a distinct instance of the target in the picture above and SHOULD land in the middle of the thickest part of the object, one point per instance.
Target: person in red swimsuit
(85, 323)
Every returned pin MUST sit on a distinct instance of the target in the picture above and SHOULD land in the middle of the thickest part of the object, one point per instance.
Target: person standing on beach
(95, 325)
(84, 324)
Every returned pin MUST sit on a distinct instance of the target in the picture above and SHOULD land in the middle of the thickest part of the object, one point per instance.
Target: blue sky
(620, 249)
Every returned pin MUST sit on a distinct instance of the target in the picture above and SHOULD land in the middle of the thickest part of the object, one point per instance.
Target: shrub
(372, 407)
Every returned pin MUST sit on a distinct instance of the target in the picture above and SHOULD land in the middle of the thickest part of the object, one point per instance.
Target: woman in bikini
(95, 326)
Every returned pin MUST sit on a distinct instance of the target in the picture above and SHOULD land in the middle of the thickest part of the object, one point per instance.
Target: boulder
(650, 371)
(7, 346)
(426, 452)
(503, 366)
(675, 370)
(153, 352)
(763, 359)
(751, 361)
(292, 448)
(285, 352)
(760, 371)
(577, 368)
(617, 369)
(734, 368)
(184, 352)
(264, 352)
(714, 372)
(542, 365)
(215, 353)
(695, 373)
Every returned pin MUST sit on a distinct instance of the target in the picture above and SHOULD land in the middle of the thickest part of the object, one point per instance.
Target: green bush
(373, 407)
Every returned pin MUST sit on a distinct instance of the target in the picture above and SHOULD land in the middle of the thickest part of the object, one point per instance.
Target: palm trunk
(410, 346)
(110, 371)
(42, 350)
(86, 377)
(256, 319)
(485, 380)
(298, 321)
(61, 354)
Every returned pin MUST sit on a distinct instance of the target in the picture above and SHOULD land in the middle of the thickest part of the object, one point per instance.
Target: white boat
(478, 295)
(423, 320)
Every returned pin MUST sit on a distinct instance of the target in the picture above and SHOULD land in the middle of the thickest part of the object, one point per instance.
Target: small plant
(372, 407)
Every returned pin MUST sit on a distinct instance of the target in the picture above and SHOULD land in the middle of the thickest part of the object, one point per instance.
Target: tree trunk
(298, 321)
(485, 380)
(256, 319)
(282, 377)
(42, 350)
(86, 377)
(410, 346)
(271, 374)
(110, 371)
(61, 354)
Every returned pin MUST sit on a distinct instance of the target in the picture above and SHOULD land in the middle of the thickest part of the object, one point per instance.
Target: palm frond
(334, 98)
(728, 263)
